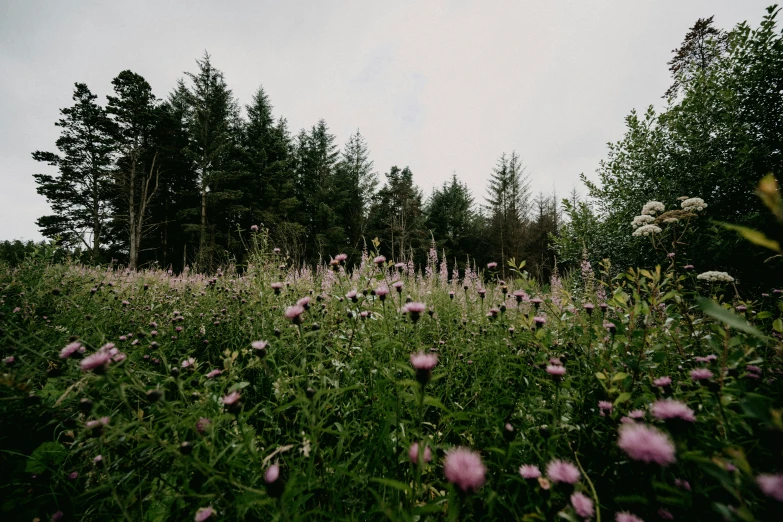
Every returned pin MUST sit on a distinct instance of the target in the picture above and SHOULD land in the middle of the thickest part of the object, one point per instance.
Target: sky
(440, 86)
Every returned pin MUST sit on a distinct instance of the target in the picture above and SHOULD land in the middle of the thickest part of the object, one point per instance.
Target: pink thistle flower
(204, 513)
(671, 409)
(771, 485)
(423, 363)
(646, 444)
(98, 423)
(413, 453)
(98, 460)
(464, 469)
(561, 471)
(683, 484)
(272, 473)
(260, 347)
(662, 382)
(589, 307)
(214, 373)
(583, 506)
(379, 260)
(71, 349)
(277, 287)
(231, 399)
(636, 414)
(624, 516)
(340, 257)
(539, 321)
(95, 361)
(700, 374)
(294, 313)
(529, 471)
(382, 292)
(254, 228)
(706, 359)
(8, 361)
(556, 371)
(414, 309)
(753, 368)
(492, 265)
(304, 302)
(351, 295)
(605, 407)
(187, 363)
(397, 286)
(203, 424)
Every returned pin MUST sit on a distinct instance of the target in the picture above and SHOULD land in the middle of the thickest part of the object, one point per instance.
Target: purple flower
(589, 307)
(382, 292)
(605, 407)
(187, 363)
(231, 398)
(771, 485)
(464, 469)
(752, 368)
(561, 471)
(379, 260)
(583, 506)
(73, 475)
(529, 471)
(294, 314)
(688, 267)
(203, 424)
(97, 360)
(636, 414)
(71, 349)
(662, 382)
(397, 286)
(706, 359)
(254, 228)
(624, 516)
(204, 513)
(97, 460)
(272, 473)
(413, 453)
(492, 265)
(700, 374)
(57, 516)
(539, 321)
(98, 423)
(671, 409)
(260, 346)
(423, 363)
(682, 484)
(646, 444)
(214, 373)
(304, 302)
(351, 295)
(8, 361)
(340, 257)
(557, 371)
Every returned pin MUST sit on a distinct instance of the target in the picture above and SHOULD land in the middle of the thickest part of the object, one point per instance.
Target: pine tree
(397, 216)
(137, 171)
(79, 195)
(452, 219)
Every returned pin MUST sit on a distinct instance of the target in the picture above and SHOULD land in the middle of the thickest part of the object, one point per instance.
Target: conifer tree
(79, 194)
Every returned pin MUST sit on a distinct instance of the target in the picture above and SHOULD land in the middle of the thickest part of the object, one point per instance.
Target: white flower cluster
(642, 220)
(647, 230)
(652, 207)
(715, 277)
(693, 204)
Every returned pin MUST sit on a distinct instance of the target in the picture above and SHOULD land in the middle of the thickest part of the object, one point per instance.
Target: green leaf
(47, 456)
(777, 325)
(396, 484)
(619, 376)
(623, 397)
(754, 236)
(713, 309)
(433, 401)
(600, 375)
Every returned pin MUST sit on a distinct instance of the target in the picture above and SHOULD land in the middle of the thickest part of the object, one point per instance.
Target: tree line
(181, 181)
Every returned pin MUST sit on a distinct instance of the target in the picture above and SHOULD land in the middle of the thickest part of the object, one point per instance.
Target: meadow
(275, 392)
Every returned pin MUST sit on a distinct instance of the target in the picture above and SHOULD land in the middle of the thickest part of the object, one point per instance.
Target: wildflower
(96, 361)
(562, 471)
(700, 374)
(539, 321)
(304, 303)
(589, 307)
(636, 414)
(583, 506)
(605, 407)
(260, 347)
(423, 364)
(492, 265)
(187, 363)
(294, 314)
(214, 373)
(397, 286)
(647, 230)
(276, 250)
(340, 258)
(771, 485)
(663, 382)
(683, 484)
(254, 228)
(379, 260)
(647, 444)
(715, 277)
(414, 309)
(693, 204)
(352, 295)
(624, 516)
(413, 453)
(706, 359)
(277, 287)
(741, 308)
(272, 473)
(652, 207)
(204, 513)
(71, 349)
(203, 424)
(232, 401)
(671, 409)
(482, 292)
(98, 460)
(529, 471)
(610, 326)
(753, 368)
(98, 423)
(688, 267)
(464, 469)
(642, 220)
(73, 475)
(8, 361)
(536, 302)
(556, 371)
(382, 292)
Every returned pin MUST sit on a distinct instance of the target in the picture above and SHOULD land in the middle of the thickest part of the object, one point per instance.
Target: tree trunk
(133, 254)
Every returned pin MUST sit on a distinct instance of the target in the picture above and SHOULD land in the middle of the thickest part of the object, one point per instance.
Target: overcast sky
(441, 87)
